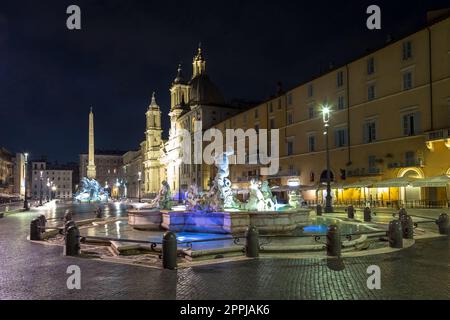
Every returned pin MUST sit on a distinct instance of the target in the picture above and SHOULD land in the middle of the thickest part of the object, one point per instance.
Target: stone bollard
(42, 223)
(367, 214)
(68, 216)
(333, 241)
(401, 213)
(252, 243)
(35, 233)
(395, 234)
(443, 224)
(319, 210)
(407, 227)
(72, 242)
(169, 250)
(351, 212)
(69, 224)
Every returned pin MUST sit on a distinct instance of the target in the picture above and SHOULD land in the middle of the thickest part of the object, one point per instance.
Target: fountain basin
(145, 219)
(235, 222)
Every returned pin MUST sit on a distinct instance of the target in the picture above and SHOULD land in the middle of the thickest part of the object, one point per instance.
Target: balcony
(406, 164)
(438, 135)
(363, 172)
(287, 173)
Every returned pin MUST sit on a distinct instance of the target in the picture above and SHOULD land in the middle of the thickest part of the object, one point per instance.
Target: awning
(359, 184)
(395, 183)
(431, 182)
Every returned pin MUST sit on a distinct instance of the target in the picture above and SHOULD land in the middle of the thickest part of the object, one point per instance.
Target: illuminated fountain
(219, 211)
(91, 191)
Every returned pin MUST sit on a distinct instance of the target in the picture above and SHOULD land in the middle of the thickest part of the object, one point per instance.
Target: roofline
(427, 26)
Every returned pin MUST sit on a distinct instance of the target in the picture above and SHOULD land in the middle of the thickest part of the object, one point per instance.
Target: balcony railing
(362, 172)
(406, 164)
(440, 134)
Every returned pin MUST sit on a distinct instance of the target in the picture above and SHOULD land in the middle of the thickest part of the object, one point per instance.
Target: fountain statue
(269, 198)
(162, 200)
(295, 199)
(91, 191)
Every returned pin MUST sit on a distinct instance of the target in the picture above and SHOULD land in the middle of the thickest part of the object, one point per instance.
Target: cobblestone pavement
(35, 271)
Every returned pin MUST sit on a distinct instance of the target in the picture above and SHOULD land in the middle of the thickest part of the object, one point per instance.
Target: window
(311, 177)
(370, 132)
(272, 123)
(311, 112)
(340, 79)
(341, 103)
(279, 104)
(290, 148)
(340, 137)
(407, 80)
(371, 92)
(371, 66)
(310, 90)
(256, 113)
(289, 99)
(407, 50)
(245, 118)
(410, 158)
(290, 118)
(411, 124)
(312, 143)
(372, 163)
(270, 107)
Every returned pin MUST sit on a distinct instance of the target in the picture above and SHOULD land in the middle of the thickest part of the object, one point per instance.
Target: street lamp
(326, 110)
(117, 187)
(53, 191)
(25, 202)
(40, 193)
(139, 185)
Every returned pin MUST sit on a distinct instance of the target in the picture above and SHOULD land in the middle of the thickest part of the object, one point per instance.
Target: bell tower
(199, 63)
(153, 143)
(179, 89)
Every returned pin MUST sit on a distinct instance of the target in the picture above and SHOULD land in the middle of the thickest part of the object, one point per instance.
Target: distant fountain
(91, 191)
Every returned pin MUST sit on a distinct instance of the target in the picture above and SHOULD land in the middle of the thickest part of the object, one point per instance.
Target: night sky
(51, 76)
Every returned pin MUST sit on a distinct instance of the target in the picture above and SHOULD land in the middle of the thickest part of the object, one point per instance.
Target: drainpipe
(348, 116)
(430, 77)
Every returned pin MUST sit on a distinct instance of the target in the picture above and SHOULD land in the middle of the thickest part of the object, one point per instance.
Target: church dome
(204, 91)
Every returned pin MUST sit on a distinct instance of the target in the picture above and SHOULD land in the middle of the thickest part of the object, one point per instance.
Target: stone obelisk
(91, 156)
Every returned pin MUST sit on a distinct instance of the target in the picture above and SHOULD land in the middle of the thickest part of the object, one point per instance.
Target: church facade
(196, 105)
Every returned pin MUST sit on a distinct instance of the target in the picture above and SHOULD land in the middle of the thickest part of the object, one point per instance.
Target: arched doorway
(410, 194)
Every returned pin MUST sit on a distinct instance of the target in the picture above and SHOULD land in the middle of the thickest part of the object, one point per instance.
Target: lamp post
(40, 190)
(326, 119)
(25, 202)
(48, 189)
(139, 185)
